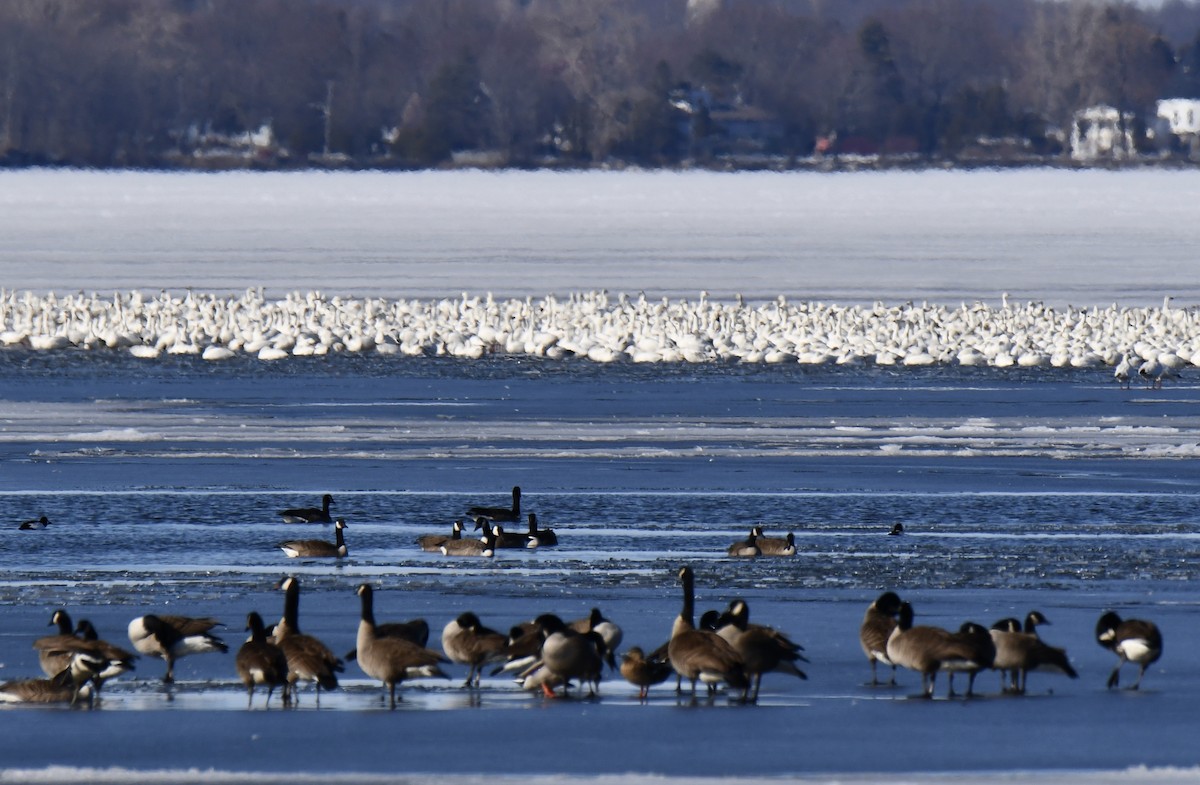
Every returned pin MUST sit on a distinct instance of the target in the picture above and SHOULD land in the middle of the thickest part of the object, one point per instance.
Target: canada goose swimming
(1019, 651)
(68, 686)
(466, 641)
(308, 658)
(40, 523)
(701, 655)
(540, 538)
(432, 543)
(609, 632)
(762, 649)
(978, 652)
(318, 548)
(309, 514)
(568, 654)
(261, 663)
(643, 673)
(500, 514)
(746, 548)
(391, 660)
(877, 625)
(775, 546)
(1132, 640)
(498, 536)
(485, 548)
(172, 637)
(897, 530)
(930, 649)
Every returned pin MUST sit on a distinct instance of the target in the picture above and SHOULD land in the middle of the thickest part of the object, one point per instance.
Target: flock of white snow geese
(1151, 343)
(723, 650)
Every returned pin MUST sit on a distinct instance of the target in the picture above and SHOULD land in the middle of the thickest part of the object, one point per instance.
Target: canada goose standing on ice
(432, 543)
(977, 652)
(928, 649)
(701, 655)
(261, 663)
(568, 654)
(610, 632)
(877, 625)
(762, 649)
(34, 525)
(466, 641)
(117, 661)
(643, 672)
(172, 637)
(310, 514)
(539, 538)
(391, 660)
(308, 658)
(318, 548)
(1019, 651)
(774, 546)
(1132, 640)
(500, 514)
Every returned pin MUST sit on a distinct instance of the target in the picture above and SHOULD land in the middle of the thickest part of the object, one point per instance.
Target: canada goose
(877, 625)
(116, 660)
(1132, 640)
(55, 651)
(308, 658)
(485, 548)
(67, 686)
(775, 546)
(309, 514)
(391, 660)
(929, 649)
(746, 548)
(523, 649)
(414, 631)
(1019, 651)
(609, 632)
(432, 543)
(978, 652)
(498, 536)
(466, 641)
(643, 673)
(172, 637)
(762, 649)
(568, 654)
(40, 523)
(540, 538)
(701, 655)
(897, 530)
(261, 663)
(318, 548)
(500, 514)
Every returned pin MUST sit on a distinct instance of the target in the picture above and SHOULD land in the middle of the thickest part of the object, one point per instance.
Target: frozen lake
(1020, 488)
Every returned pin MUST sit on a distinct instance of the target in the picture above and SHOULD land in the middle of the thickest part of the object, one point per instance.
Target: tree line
(109, 83)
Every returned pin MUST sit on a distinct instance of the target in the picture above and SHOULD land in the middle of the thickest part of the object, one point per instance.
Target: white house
(1101, 132)
(1181, 114)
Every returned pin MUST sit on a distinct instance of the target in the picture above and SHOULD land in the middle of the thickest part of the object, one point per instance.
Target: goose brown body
(877, 625)
(701, 655)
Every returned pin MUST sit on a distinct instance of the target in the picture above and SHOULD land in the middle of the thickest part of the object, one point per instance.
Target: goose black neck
(688, 611)
(368, 606)
(291, 606)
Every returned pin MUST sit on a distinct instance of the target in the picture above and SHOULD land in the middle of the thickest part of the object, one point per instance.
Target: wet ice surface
(1020, 490)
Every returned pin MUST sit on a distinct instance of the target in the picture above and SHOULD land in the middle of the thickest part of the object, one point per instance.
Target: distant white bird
(1123, 372)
